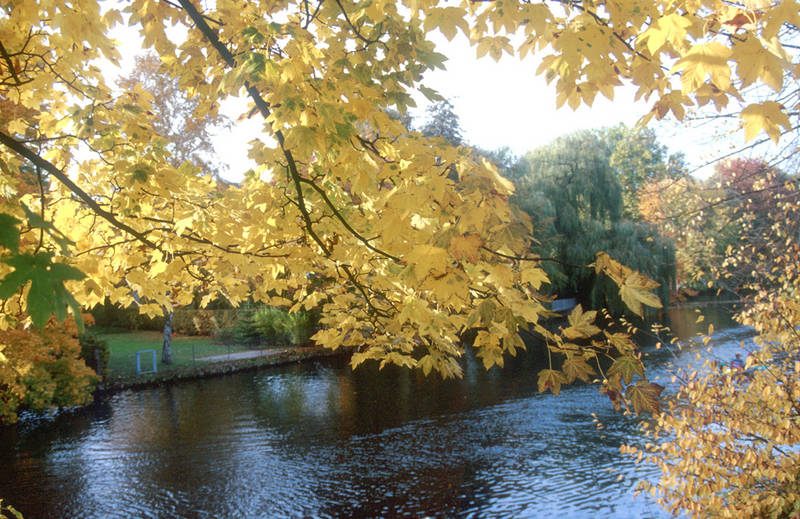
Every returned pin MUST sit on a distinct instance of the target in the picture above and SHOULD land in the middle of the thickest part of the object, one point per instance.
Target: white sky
(506, 104)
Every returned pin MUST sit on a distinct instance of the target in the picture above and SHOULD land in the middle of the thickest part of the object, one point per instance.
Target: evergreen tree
(442, 121)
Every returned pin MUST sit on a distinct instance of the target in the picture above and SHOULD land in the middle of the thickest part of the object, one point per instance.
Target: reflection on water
(317, 440)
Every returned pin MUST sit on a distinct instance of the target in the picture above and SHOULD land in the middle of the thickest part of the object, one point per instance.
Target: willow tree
(575, 195)
(638, 158)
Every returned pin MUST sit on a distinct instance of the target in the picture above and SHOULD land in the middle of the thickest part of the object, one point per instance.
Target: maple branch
(311, 16)
(342, 219)
(264, 109)
(41, 163)
(43, 204)
(370, 146)
(355, 29)
(9, 64)
(57, 75)
(105, 246)
(198, 239)
(168, 2)
(605, 24)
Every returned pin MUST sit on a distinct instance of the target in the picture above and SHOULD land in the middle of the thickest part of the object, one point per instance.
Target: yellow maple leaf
(644, 396)
(669, 29)
(605, 264)
(535, 276)
(702, 61)
(768, 116)
(634, 287)
(577, 367)
(784, 12)
(754, 61)
(466, 247)
(635, 291)
(580, 324)
(427, 258)
(552, 380)
(448, 20)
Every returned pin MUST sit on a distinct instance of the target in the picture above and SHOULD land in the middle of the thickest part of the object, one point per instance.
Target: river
(319, 440)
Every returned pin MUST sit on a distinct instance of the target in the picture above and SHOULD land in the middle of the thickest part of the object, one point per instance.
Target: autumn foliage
(41, 369)
(727, 443)
(403, 243)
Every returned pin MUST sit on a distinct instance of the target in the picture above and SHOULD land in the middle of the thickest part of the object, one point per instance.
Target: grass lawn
(125, 344)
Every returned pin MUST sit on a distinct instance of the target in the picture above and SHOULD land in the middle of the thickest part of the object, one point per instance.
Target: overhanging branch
(48, 166)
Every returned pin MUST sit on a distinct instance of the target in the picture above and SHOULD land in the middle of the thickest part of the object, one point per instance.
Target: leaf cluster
(41, 369)
(727, 442)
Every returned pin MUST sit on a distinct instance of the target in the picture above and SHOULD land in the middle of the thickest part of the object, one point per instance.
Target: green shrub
(268, 321)
(297, 326)
(112, 315)
(239, 330)
(268, 324)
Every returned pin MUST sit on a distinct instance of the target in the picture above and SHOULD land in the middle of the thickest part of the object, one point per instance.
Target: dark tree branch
(536, 259)
(344, 222)
(352, 26)
(9, 64)
(39, 162)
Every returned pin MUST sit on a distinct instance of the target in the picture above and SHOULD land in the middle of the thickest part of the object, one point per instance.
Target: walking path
(252, 354)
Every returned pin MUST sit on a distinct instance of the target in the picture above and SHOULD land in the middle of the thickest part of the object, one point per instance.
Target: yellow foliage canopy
(411, 242)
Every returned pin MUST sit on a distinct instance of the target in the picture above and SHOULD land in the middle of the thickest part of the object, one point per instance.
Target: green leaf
(9, 234)
(626, 366)
(23, 267)
(47, 294)
(486, 310)
(431, 94)
(141, 174)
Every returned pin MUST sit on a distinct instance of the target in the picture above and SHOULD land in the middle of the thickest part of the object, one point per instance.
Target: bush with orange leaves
(40, 369)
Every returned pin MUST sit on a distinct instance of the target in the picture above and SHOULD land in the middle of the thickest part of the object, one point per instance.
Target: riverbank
(702, 304)
(235, 361)
(220, 365)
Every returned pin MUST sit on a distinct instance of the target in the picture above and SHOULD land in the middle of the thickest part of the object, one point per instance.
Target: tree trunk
(166, 350)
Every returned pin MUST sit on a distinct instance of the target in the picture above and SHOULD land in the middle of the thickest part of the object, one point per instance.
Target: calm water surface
(317, 440)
